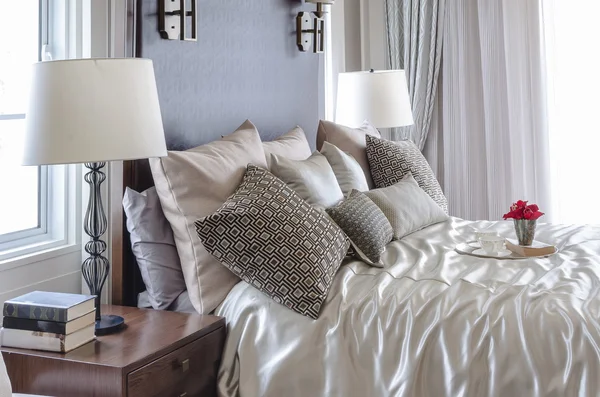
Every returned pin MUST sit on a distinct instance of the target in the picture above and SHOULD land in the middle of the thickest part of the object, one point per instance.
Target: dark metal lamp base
(109, 324)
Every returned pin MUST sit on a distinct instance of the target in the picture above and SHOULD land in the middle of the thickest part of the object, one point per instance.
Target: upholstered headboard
(245, 65)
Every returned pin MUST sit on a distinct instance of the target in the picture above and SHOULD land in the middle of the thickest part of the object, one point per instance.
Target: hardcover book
(536, 249)
(50, 326)
(47, 341)
(49, 306)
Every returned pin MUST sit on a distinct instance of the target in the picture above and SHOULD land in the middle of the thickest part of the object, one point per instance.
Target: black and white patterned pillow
(267, 235)
(391, 161)
(365, 224)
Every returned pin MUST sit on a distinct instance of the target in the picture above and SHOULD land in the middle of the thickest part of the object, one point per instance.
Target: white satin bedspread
(432, 323)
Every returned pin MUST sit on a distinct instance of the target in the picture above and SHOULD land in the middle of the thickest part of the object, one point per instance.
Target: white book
(47, 341)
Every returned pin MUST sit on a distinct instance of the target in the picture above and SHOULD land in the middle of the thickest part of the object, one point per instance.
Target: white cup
(484, 233)
(491, 244)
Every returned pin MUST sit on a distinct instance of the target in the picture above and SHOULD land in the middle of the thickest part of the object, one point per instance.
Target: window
(571, 39)
(32, 199)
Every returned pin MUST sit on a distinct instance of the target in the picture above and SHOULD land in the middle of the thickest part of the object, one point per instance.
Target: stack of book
(48, 321)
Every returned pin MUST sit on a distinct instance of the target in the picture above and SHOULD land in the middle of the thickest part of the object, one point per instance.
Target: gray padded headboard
(245, 65)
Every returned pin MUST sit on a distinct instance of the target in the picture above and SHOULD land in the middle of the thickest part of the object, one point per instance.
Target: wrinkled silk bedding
(431, 323)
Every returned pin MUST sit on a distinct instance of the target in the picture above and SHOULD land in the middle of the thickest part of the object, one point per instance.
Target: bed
(430, 322)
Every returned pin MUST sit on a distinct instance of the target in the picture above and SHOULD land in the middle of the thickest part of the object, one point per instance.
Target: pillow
(365, 225)
(271, 238)
(193, 184)
(391, 161)
(313, 179)
(154, 248)
(292, 145)
(347, 171)
(407, 206)
(349, 140)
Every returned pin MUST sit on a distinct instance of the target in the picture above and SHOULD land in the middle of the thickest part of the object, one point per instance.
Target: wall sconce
(310, 28)
(172, 20)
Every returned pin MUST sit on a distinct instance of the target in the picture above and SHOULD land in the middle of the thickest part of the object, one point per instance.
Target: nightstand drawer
(189, 371)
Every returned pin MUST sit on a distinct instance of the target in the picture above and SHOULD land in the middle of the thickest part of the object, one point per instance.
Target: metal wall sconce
(172, 16)
(310, 28)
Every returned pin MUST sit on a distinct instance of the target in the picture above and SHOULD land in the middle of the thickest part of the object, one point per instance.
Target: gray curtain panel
(414, 37)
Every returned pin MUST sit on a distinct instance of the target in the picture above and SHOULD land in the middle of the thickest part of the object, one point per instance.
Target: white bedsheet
(433, 323)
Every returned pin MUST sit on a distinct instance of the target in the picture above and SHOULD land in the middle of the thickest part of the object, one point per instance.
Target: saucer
(501, 254)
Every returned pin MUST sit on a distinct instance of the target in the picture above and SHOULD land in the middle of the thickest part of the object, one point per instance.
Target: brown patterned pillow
(365, 224)
(267, 235)
(391, 161)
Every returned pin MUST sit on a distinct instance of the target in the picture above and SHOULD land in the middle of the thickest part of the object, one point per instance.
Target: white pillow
(407, 206)
(348, 172)
(313, 179)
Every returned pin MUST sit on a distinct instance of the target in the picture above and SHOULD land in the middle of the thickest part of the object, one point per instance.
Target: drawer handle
(185, 366)
(183, 394)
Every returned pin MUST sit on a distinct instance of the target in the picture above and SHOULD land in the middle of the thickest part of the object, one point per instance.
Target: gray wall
(245, 65)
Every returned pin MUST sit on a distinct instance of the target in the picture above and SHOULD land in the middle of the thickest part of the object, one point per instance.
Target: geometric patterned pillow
(268, 236)
(391, 161)
(367, 227)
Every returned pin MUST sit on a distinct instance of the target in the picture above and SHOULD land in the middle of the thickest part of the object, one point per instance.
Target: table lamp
(381, 97)
(91, 111)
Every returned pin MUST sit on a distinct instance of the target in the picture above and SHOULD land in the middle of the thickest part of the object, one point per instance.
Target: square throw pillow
(292, 145)
(347, 171)
(391, 161)
(349, 140)
(313, 179)
(407, 206)
(195, 183)
(365, 225)
(267, 235)
(154, 248)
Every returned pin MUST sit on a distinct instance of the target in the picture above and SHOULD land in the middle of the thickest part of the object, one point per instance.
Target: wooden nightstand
(159, 353)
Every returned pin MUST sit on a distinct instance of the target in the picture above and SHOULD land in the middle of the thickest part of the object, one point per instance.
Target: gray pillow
(267, 235)
(390, 161)
(348, 172)
(365, 225)
(313, 179)
(407, 206)
(154, 248)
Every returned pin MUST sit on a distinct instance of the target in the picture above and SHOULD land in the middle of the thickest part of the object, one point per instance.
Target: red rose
(536, 215)
(528, 213)
(533, 207)
(521, 204)
(514, 214)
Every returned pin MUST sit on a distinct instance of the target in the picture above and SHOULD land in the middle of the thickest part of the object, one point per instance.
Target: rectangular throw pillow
(292, 145)
(193, 184)
(407, 206)
(313, 179)
(349, 140)
(154, 248)
(365, 225)
(347, 171)
(390, 162)
(267, 235)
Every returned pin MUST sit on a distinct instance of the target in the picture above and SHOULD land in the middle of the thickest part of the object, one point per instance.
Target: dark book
(49, 306)
(27, 324)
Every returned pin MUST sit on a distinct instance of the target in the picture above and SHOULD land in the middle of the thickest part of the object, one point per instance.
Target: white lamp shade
(381, 97)
(93, 110)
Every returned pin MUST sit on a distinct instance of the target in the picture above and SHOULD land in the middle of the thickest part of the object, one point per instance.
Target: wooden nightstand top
(148, 334)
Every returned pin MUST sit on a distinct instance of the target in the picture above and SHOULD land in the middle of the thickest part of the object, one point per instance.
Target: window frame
(59, 187)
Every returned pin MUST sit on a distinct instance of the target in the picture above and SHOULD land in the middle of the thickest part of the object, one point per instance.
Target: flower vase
(525, 230)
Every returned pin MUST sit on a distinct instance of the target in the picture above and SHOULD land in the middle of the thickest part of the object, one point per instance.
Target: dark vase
(525, 230)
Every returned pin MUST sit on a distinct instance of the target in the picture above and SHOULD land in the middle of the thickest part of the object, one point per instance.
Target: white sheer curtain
(489, 137)
(572, 30)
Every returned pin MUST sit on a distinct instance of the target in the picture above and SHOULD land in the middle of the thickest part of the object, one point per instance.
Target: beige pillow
(194, 184)
(349, 140)
(313, 179)
(292, 145)
(408, 207)
(347, 171)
